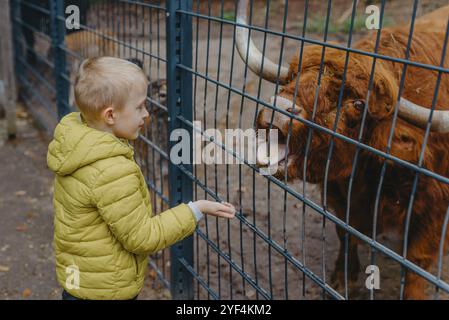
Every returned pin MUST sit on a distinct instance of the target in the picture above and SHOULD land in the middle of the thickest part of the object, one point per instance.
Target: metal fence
(207, 61)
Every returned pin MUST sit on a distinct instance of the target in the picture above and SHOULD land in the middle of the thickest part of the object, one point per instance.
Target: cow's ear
(405, 145)
(407, 142)
(384, 93)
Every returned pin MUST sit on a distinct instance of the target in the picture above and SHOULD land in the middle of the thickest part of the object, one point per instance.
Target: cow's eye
(359, 104)
(292, 76)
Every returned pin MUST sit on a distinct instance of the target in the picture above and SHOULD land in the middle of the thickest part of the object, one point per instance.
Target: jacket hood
(76, 145)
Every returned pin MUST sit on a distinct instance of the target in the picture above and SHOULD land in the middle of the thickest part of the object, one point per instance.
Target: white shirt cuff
(196, 211)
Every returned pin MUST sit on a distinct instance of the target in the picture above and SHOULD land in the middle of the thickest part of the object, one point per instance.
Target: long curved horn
(255, 57)
(420, 116)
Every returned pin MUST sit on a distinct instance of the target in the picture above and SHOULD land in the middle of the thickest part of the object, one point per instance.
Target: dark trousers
(68, 296)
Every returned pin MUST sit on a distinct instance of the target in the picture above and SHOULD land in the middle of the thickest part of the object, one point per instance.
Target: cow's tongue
(275, 156)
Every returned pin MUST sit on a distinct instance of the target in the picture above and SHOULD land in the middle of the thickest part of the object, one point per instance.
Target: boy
(103, 225)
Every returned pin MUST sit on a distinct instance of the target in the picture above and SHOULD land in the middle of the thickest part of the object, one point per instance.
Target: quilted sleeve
(119, 196)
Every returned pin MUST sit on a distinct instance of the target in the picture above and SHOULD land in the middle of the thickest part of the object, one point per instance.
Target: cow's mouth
(274, 154)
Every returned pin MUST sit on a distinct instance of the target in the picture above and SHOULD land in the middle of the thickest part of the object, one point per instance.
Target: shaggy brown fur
(432, 197)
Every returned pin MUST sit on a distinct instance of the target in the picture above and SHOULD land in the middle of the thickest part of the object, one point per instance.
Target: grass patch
(229, 15)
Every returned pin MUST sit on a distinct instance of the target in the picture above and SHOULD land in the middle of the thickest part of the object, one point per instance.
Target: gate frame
(57, 14)
(7, 78)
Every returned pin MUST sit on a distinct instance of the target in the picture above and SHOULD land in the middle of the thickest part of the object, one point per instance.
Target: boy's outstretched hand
(223, 209)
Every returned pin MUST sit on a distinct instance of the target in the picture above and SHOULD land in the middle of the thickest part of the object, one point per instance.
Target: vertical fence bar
(17, 34)
(57, 40)
(7, 78)
(179, 102)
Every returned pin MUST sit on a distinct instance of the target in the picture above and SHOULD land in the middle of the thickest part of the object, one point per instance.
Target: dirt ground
(299, 232)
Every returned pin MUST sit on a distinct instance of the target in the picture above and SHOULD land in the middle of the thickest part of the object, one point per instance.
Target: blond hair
(105, 82)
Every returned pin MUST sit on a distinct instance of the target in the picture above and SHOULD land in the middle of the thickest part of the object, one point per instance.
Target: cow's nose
(294, 111)
(262, 122)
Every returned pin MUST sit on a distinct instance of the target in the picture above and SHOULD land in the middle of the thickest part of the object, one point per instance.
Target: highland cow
(368, 118)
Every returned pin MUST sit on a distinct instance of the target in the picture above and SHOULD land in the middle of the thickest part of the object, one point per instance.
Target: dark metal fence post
(179, 50)
(18, 48)
(57, 39)
(7, 77)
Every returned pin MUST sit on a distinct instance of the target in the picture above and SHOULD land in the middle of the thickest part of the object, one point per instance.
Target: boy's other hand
(223, 209)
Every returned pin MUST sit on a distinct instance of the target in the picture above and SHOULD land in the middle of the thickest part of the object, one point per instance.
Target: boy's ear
(108, 115)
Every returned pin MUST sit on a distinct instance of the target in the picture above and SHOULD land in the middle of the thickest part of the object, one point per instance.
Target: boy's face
(131, 118)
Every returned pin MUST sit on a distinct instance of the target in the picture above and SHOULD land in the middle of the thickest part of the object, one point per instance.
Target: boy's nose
(146, 113)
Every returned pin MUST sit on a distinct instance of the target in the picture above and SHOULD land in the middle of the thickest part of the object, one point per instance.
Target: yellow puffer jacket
(103, 224)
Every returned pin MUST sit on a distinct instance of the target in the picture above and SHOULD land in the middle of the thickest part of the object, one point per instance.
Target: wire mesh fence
(357, 94)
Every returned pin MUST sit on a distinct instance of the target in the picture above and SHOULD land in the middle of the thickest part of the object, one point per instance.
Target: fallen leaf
(26, 293)
(31, 215)
(241, 190)
(152, 274)
(4, 268)
(250, 294)
(31, 154)
(317, 219)
(22, 228)
(166, 294)
(21, 114)
(20, 193)
(29, 135)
